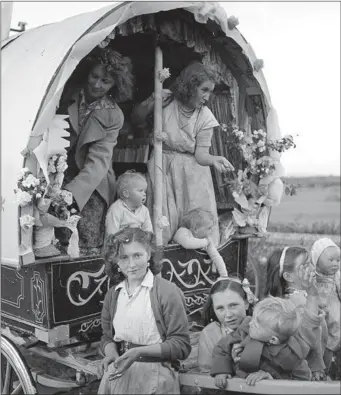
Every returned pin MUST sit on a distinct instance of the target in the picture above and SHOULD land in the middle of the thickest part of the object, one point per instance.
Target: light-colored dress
(134, 322)
(208, 339)
(186, 184)
(330, 302)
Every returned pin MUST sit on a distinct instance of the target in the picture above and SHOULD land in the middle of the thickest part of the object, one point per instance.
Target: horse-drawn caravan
(50, 306)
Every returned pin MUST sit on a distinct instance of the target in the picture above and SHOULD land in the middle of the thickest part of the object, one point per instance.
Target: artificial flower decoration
(27, 221)
(258, 186)
(163, 222)
(29, 188)
(258, 64)
(112, 35)
(164, 74)
(104, 43)
(26, 152)
(232, 22)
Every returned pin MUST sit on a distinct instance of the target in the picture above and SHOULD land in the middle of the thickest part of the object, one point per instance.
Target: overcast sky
(300, 45)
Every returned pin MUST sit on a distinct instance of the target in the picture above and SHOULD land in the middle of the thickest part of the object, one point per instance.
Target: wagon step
(52, 382)
(276, 387)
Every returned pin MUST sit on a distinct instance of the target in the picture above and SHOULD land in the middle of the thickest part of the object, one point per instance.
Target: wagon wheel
(16, 377)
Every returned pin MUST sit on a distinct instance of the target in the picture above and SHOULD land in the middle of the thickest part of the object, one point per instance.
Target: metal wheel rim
(19, 367)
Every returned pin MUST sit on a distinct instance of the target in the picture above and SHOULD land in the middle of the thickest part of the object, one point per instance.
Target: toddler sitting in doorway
(195, 231)
(271, 349)
(128, 211)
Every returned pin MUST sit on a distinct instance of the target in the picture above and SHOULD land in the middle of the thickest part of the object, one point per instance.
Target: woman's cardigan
(168, 305)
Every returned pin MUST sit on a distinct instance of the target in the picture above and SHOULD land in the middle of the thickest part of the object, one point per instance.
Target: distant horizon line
(311, 175)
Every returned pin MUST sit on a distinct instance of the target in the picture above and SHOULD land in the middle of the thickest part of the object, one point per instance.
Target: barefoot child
(129, 211)
(271, 349)
(195, 233)
(325, 256)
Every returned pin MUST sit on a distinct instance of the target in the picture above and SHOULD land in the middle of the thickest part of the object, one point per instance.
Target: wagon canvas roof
(37, 63)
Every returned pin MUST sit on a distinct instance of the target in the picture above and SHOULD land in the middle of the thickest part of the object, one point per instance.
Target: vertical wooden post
(157, 209)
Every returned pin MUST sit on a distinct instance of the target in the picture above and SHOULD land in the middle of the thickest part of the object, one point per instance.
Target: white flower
(27, 221)
(73, 211)
(164, 74)
(54, 157)
(235, 194)
(67, 197)
(258, 64)
(112, 35)
(103, 44)
(61, 167)
(232, 22)
(51, 168)
(30, 181)
(163, 222)
(38, 195)
(24, 171)
(23, 198)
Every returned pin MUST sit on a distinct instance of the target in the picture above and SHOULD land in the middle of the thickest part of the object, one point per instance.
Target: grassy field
(314, 209)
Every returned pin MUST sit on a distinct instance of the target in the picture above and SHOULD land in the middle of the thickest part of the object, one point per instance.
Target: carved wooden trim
(27, 237)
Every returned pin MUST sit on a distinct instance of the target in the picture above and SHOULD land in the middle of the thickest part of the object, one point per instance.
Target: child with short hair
(325, 257)
(128, 211)
(290, 275)
(271, 349)
(195, 232)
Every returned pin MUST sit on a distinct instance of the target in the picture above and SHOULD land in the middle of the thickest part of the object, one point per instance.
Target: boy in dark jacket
(270, 347)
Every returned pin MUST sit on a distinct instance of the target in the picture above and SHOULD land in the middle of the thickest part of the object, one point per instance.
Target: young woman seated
(144, 321)
(229, 302)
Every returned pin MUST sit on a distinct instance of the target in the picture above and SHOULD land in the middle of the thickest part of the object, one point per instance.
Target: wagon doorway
(182, 41)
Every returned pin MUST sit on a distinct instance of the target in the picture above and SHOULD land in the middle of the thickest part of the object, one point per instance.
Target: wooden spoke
(15, 374)
(17, 389)
(7, 380)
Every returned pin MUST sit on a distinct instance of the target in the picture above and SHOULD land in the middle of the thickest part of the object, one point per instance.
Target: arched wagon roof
(36, 64)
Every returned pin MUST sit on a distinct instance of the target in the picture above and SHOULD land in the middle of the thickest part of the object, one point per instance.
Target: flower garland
(29, 188)
(257, 186)
(53, 207)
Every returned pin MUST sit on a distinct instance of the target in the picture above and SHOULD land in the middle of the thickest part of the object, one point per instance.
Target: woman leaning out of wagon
(229, 302)
(187, 130)
(144, 321)
(95, 120)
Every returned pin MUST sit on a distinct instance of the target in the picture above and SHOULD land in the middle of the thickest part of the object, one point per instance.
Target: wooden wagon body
(51, 308)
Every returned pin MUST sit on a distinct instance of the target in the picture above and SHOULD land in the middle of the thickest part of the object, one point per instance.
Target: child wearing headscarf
(325, 256)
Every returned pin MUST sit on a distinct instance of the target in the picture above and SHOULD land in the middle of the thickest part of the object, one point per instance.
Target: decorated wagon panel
(66, 298)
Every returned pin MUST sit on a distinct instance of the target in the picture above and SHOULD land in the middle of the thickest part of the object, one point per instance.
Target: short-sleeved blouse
(197, 131)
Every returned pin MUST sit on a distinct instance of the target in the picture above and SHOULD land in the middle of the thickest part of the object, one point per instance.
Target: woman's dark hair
(232, 284)
(118, 66)
(276, 284)
(190, 78)
(113, 244)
